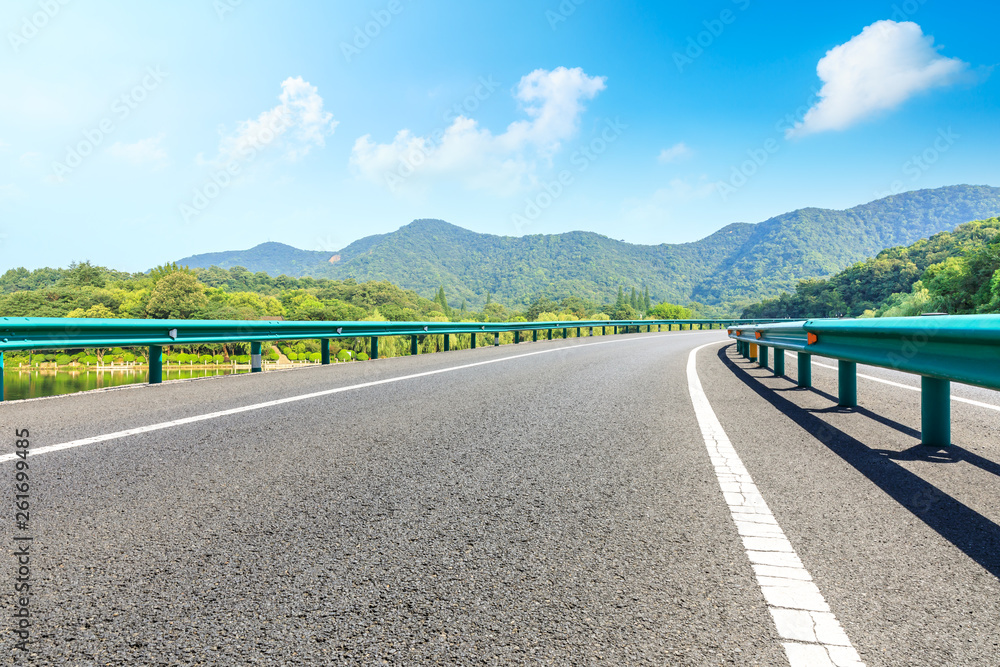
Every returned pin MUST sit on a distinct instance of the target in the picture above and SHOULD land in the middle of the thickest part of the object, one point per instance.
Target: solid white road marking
(979, 404)
(292, 399)
(801, 615)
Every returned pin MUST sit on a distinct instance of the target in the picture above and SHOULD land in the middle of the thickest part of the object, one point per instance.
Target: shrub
(63, 359)
(273, 355)
(315, 356)
(218, 359)
(344, 355)
(292, 356)
(362, 356)
(128, 356)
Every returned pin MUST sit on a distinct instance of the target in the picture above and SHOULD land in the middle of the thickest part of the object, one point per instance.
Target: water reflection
(20, 384)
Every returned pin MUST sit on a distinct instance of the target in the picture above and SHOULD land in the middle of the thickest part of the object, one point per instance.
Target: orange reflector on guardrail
(811, 338)
(756, 334)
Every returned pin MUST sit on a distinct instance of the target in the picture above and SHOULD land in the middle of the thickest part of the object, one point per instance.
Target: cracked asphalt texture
(558, 508)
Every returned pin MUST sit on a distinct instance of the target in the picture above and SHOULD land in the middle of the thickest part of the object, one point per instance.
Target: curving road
(559, 502)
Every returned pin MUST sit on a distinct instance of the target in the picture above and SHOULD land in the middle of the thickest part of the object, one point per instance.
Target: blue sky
(133, 134)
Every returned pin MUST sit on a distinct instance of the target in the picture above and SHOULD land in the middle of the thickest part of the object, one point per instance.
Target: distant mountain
(738, 263)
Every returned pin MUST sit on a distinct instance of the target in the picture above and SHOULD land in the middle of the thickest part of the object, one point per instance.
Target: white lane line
(980, 404)
(301, 397)
(814, 637)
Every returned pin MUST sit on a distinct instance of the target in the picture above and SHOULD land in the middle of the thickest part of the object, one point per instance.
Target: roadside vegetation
(176, 292)
(954, 272)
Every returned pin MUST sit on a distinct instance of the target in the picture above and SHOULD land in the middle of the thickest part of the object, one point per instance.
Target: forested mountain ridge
(736, 264)
(955, 272)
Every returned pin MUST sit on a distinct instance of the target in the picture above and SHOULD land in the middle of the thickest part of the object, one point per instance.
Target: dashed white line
(979, 404)
(814, 637)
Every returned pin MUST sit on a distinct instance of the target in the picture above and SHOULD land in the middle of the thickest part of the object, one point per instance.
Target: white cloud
(879, 69)
(143, 152)
(677, 152)
(296, 125)
(503, 163)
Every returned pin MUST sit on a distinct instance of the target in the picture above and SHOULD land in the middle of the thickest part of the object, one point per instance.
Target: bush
(362, 356)
(242, 359)
(63, 359)
(286, 351)
(273, 355)
(292, 356)
(315, 356)
(128, 356)
(218, 359)
(89, 359)
(344, 355)
(205, 359)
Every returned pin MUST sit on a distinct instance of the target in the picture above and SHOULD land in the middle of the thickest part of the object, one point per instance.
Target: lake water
(33, 384)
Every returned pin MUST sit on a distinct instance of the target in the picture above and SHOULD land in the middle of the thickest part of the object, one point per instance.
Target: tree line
(176, 292)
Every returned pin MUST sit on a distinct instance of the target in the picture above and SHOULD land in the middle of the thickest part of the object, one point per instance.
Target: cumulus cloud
(297, 124)
(504, 163)
(881, 68)
(677, 152)
(143, 152)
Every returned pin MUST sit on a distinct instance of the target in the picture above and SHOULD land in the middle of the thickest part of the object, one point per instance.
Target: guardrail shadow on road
(920, 452)
(975, 535)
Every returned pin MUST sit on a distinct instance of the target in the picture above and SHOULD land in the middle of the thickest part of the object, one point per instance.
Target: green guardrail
(39, 333)
(940, 349)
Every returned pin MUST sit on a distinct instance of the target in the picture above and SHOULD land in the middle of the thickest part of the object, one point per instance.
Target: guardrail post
(496, 339)
(324, 351)
(779, 362)
(534, 335)
(155, 364)
(517, 337)
(447, 342)
(414, 346)
(472, 337)
(550, 334)
(578, 332)
(1, 375)
(255, 360)
(373, 355)
(752, 355)
(847, 383)
(762, 357)
(565, 333)
(805, 369)
(935, 412)
(603, 331)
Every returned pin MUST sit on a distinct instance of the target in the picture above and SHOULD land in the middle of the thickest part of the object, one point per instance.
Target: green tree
(177, 295)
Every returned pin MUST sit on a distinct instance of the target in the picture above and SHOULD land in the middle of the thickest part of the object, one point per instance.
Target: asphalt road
(557, 506)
